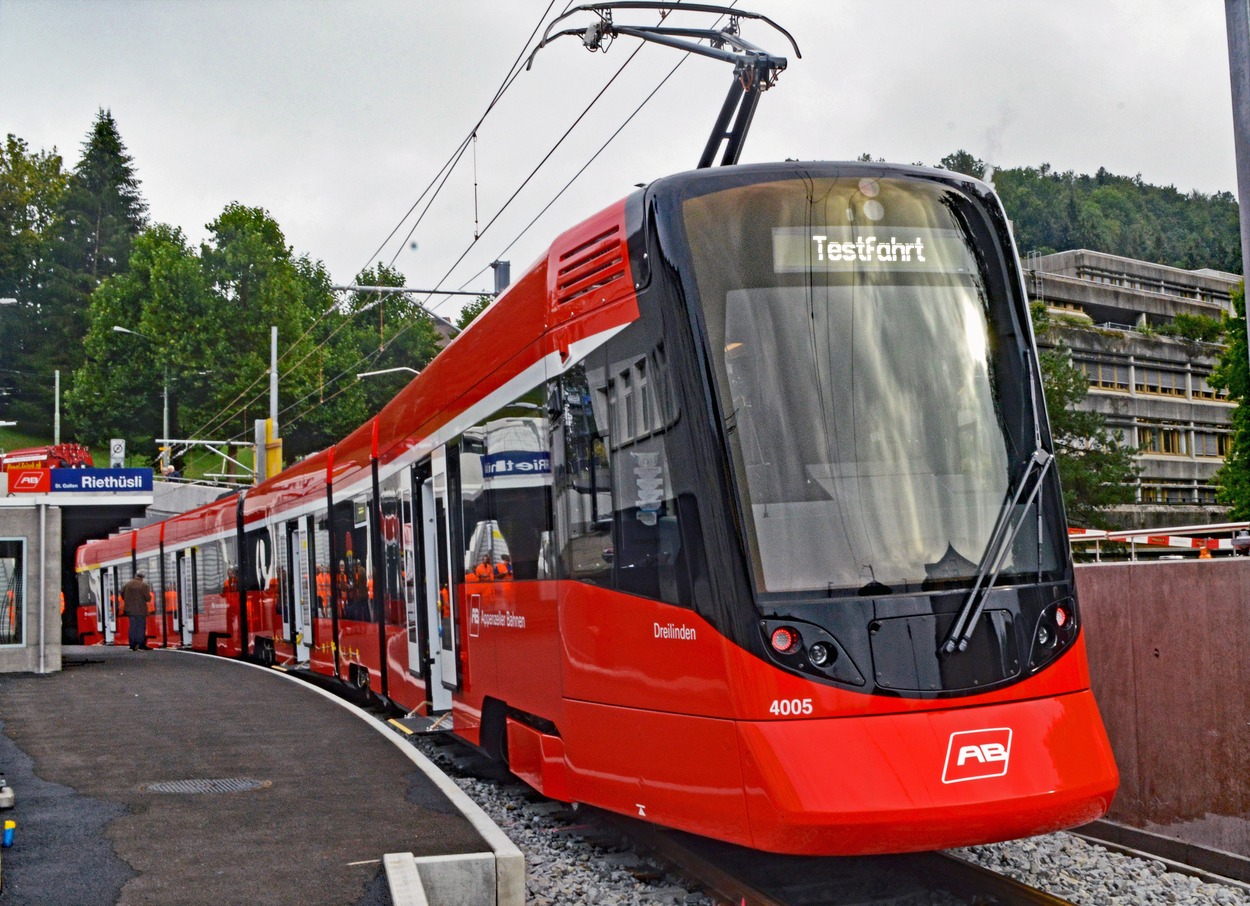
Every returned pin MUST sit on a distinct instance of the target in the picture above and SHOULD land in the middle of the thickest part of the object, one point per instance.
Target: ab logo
(976, 754)
(30, 481)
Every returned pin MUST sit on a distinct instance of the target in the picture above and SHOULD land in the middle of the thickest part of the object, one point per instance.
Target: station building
(41, 527)
(1116, 316)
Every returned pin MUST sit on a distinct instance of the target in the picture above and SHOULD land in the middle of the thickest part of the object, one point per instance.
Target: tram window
(648, 545)
(504, 473)
(354, 569)
(170, 595)
(617, 518)
(13, 590)
(230, 565)
(320, 555)
(151, 569)
(583, 483)
(89, 589)
(394, 543)
(211, 573)
(258, 567)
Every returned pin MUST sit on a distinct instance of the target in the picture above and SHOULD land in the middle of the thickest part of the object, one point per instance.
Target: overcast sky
(335, 115)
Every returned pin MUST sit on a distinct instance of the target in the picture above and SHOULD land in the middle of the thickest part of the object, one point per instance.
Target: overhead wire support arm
(755, 70)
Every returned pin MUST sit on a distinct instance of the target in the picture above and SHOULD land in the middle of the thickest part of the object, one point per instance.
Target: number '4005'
(787, 707)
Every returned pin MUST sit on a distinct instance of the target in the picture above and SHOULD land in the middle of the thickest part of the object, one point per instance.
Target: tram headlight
(821, 655)
(1055, 630)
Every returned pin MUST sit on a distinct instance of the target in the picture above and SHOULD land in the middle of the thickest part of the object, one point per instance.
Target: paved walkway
(82, 748)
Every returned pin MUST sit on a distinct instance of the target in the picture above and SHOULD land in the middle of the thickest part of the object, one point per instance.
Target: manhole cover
(206, 785)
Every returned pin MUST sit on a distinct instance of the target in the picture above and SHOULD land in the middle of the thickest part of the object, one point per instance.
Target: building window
(1168, 494)
(1211, 443)
(1169, 440)
(13, 587)
(1203, 390)
(1105, 375)
(1159, 380)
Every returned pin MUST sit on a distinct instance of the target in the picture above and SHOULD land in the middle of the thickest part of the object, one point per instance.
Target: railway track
(744, 877)
(748, 878)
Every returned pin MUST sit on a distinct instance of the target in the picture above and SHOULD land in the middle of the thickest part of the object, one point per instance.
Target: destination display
(875, 249)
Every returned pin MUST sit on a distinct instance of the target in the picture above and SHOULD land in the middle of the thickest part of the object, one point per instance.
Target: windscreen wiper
(1010, 521)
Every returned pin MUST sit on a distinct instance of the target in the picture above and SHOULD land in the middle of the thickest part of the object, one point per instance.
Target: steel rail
(722, 873)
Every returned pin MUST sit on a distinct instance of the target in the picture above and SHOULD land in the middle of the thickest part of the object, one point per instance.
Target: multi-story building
(1115, 315)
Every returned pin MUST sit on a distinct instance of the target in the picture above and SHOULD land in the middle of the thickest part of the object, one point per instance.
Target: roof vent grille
(589, 267)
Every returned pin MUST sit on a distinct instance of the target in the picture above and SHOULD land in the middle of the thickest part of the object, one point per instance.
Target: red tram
(733, 513)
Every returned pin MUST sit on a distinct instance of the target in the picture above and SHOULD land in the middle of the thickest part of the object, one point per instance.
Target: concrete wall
(1169, 651)
(23, 522)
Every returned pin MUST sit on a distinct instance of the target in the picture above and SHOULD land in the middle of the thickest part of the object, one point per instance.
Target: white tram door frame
(442, 655)
(186, 597)
(298, 566)
(110, 604)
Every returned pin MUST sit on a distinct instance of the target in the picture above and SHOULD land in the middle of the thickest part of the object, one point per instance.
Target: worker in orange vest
(323, 589)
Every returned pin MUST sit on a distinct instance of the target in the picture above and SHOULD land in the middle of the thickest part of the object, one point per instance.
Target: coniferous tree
(99, 214)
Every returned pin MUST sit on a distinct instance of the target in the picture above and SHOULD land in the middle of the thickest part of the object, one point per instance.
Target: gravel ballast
(570, 865)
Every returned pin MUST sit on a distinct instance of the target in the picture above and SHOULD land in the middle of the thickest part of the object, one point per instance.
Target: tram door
(187, 594)
(175, 613)
(95, 596)
(110, 605)
(300, 611)
(437, 568)
(431, 514)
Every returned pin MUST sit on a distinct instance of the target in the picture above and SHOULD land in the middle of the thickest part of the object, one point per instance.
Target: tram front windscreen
(872, 381)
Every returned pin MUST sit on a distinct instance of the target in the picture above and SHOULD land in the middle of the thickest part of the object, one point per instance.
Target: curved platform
(163, 777)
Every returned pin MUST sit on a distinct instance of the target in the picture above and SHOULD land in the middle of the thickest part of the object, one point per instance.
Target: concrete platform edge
(509, 861)
(403, 880)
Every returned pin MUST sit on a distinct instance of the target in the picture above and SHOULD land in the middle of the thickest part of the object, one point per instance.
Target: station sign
(95, 481)
(80, 481)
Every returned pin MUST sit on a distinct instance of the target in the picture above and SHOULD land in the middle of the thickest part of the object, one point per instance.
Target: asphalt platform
(305, 797)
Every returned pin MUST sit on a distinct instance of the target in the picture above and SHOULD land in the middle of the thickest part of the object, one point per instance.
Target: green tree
(1096, 470)
(393, 330)
(472, 310)
(205, 318)
(97, 217)
(118, 390)
(1233, 374)
(31, 185)
(1054, 211)
(102, 209)
(965, 163)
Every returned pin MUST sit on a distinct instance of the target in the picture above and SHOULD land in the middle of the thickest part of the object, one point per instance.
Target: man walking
(135, 597)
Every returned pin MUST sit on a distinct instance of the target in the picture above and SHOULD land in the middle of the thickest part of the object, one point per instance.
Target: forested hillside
(1054, 211)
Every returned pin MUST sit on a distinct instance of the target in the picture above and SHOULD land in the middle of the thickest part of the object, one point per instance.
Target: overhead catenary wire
(584, 167)
(444, 174)
(228, 412)
(568, 184)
